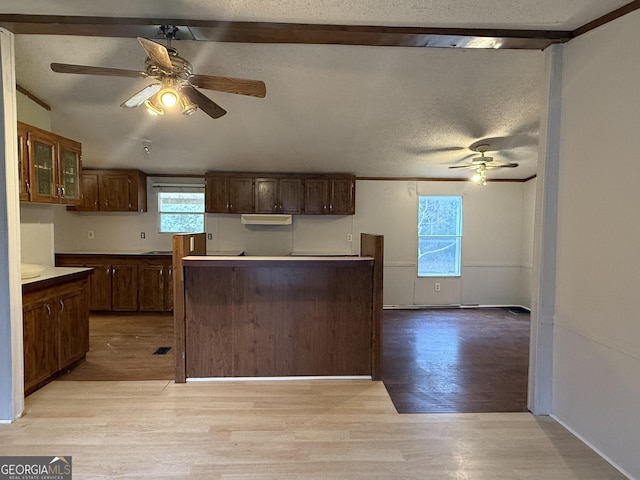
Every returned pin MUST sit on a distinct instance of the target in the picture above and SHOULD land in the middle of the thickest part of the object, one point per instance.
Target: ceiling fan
(483, 163)
(175, 85)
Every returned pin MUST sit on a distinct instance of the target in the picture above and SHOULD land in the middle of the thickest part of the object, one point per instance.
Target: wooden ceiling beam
(292, 33)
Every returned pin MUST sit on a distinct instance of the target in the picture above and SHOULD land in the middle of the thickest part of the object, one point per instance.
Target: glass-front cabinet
(69, 170)
(54, 167)
(23, 163)
(42, 157)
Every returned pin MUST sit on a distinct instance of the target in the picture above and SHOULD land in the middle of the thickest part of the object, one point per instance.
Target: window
(439, 236)
(180, 209)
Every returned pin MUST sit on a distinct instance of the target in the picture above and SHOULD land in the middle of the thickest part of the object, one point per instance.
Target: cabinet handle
(62, 191)
(61, 306)
(48, 310)
(108, 270)
(113, 272)
(170, 271)
(28, 187)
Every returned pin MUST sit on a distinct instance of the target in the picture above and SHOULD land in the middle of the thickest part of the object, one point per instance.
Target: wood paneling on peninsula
(276, 316)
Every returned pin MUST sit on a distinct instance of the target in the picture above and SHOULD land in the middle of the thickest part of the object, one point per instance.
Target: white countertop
(146, 252)
(54, 272)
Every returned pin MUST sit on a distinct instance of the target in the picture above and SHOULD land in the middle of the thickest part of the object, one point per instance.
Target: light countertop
(50, 273)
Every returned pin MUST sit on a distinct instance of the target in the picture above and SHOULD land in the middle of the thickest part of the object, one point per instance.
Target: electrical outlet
(437, 287)
(349, 237)
(142, 235)
(209, 236)
(91, 235)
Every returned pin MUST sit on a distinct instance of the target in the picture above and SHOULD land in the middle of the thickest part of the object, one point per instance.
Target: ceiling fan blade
(507, 165)
(240, 86)
(87, 70)
(463, 166)
(139, 98)
(203, 102)
(158, 53)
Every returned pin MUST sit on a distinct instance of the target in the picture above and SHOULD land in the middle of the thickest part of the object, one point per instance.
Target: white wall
(596, 388)
(492, 242)
(32, 113)
(528, 224)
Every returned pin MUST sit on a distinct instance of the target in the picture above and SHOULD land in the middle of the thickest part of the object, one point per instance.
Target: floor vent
(162, 350)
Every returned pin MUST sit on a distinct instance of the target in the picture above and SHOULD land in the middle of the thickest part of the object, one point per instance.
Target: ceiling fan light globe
(188, 107)
(168, 97)
(153, 109)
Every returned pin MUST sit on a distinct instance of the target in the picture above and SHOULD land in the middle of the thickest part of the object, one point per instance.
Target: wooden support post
(373, 246)
(183, 246)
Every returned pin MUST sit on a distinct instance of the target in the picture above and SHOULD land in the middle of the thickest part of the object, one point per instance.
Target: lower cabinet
(55, 328)
(126, 283)
(155, 287)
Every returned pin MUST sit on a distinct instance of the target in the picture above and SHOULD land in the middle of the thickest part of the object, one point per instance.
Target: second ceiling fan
(176, 85)
(483, 163)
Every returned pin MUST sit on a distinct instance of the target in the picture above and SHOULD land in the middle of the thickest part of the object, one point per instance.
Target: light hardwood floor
(323, 429)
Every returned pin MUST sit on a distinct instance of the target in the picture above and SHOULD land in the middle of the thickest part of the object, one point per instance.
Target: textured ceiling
(372, 111)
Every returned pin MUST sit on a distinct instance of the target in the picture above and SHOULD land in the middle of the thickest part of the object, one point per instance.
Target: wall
(528, 226)
(596, 387)
(11, 364)
(32, 113)
(492, 244)
(37, 233)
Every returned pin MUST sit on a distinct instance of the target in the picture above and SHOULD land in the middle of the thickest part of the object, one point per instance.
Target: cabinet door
(124, 288)
(341, 198)
(316, 196)
(240, 195)
(73, 325)
(290, 194)
(42, 164)
(114, 192)
(23, 163)
(151, 288)
(69, 171)
(89, 200)
(217, 194)
(100, 287)
(40, 342)
(266, 195)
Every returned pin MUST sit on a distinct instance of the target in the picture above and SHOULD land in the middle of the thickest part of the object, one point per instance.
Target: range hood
(265, 219)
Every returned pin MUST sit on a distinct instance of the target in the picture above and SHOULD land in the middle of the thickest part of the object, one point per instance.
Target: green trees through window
(180, 212)
(439, 236)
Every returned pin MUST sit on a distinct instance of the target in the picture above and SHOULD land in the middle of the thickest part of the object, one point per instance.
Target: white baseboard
(279, 379)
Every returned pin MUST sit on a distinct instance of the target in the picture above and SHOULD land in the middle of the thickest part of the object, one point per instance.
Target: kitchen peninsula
(276, 316)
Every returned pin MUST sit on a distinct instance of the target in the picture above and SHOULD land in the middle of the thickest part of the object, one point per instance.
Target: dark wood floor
(121, 347)
(456, 360)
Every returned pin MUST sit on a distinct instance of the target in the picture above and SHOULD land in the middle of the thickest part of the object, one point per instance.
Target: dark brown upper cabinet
(228, 193)
(278, 195)
(318, 194)
(113, 191)
(329, 195)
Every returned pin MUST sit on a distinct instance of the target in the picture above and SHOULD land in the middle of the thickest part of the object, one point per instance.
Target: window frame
(457, 237)
(176, 189)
